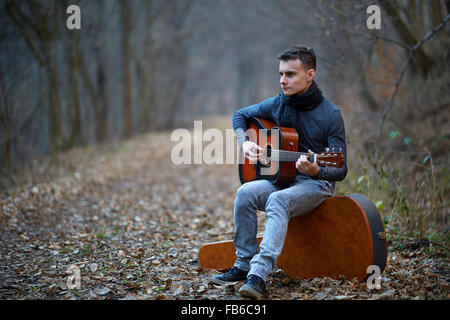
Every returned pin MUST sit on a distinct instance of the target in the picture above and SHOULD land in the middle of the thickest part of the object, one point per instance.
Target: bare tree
(39, 29)
(6, 121)
(126, 29)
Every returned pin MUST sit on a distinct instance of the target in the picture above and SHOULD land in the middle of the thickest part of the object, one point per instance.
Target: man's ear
(310, 75)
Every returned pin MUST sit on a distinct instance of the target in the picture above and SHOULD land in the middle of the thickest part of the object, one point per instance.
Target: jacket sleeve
(263, 110)
(336, 140)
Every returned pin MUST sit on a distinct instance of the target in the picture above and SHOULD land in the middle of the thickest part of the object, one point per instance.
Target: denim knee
(277, 204)
(243, 195)
(246, 195)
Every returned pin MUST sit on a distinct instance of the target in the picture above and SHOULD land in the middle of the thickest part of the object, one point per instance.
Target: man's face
(294, 78)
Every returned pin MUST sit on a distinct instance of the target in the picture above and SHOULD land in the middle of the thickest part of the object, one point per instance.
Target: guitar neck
(292, 156)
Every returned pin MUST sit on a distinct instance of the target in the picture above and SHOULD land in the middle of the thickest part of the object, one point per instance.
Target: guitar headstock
(331, 158)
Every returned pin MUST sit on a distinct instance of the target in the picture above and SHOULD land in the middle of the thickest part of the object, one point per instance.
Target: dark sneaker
(232, 275)
(253, 288)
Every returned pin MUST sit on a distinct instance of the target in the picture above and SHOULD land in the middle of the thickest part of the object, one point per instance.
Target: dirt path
(130, 223)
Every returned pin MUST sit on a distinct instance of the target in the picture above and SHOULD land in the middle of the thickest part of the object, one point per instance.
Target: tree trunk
(74, 61)
(102, 77)
(56, 138)
(93, 92)
(420, 60)
(5, 119)
(127, 111)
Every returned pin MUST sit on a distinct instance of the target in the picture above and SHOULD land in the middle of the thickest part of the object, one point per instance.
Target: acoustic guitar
(280, 152)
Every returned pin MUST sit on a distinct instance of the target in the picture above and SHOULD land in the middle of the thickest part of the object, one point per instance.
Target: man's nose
(283, 80)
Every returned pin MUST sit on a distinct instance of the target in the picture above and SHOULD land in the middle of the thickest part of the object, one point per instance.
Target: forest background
(138, 68)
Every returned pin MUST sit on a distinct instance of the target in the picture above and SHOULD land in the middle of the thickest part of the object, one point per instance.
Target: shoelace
(257, 281)
(234, 270)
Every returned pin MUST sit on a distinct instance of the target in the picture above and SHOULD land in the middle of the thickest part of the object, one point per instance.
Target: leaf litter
(132, 223)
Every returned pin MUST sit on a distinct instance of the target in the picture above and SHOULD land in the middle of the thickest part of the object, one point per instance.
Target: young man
(319, 125)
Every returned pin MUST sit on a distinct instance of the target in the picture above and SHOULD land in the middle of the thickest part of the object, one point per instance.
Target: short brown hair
(304, 54)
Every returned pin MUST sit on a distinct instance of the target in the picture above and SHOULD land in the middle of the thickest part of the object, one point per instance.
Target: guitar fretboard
(290, 156)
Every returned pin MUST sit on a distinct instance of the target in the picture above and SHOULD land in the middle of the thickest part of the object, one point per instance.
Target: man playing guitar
(319, 125)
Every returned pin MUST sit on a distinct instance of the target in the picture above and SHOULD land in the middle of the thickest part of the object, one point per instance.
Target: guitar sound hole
(267, 153)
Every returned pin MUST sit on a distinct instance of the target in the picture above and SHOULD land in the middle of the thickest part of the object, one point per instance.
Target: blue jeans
(279, 204)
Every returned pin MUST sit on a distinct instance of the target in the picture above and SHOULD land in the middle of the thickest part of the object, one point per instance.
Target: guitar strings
(292, 156)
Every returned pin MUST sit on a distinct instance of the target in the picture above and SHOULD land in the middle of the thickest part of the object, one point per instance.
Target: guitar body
(279, 155)
(343, 236)
(266, 133)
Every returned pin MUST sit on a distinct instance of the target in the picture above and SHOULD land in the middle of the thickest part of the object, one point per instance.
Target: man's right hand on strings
(251, 151)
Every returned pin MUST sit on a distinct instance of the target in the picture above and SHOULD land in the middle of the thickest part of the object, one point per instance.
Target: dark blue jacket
(317, 128)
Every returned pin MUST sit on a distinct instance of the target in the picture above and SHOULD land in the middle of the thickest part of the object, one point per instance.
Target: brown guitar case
(343, 236)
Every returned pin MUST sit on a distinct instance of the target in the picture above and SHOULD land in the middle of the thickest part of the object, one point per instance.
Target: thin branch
(12, 11)
(376, 37)
(321, 15)
(390, 103)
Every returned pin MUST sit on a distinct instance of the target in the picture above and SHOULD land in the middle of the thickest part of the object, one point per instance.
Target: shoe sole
(248, 291)
(222, 282)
